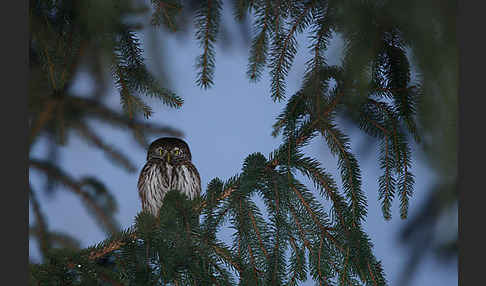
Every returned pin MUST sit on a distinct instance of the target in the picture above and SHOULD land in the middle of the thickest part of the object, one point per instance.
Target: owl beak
(168, 157)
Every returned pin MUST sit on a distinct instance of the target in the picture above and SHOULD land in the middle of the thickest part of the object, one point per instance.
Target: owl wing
(140, 185)
(153, 184)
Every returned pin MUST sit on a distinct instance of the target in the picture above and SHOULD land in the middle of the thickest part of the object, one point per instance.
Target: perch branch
(115, 245)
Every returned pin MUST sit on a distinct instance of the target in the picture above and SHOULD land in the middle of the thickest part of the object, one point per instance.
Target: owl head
(169, 149)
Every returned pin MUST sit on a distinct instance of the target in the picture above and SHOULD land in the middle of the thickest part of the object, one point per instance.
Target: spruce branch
(226, 193)
(207, 24)
(61, 123)
(298, 261)
(398, 74)
(87, 133)
(321, 32)
(57, 239)
(324, 181)
(130, 103)
(277, 15)
(275, 259)
(77, 49)
(393, 90)
(343, 273)
(350, 171)
(321, 240)
(259, 46)
(319, 119)
(401, 163)
(50, 65)
(112, 246)
(97, 110)
(226, 255)
(393, 122)
(252, 218)
(386, 182)
(256, 272)
(132, 76)
(323, 229)
(106, 278)
(405, 185)
(42, 230)
(42, 119)
(117, 244)
(284, 52)
(241, 7)
(387, 162)
(57, 174)
(293, 109)
(165, 11)
(314, 82)
(302, 234)
(371, 274)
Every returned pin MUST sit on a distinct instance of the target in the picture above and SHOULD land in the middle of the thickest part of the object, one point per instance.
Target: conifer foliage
(291, 237)
(66, 37)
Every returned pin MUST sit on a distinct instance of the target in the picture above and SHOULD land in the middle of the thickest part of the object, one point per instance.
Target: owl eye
(177, 151)
(160, 151)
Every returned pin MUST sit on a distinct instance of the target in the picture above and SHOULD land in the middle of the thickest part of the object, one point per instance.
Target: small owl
(168, 167)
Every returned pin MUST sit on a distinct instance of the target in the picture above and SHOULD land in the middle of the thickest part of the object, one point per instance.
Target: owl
(168, 167)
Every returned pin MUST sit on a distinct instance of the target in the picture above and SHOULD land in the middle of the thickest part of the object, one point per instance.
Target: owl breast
(157, 178)
(185, 179)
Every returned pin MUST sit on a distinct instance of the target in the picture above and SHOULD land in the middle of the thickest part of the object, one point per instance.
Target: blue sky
(222, 125)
